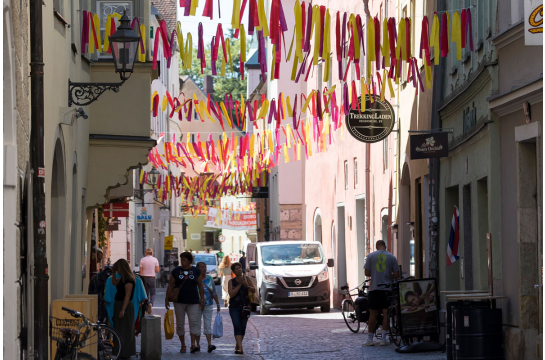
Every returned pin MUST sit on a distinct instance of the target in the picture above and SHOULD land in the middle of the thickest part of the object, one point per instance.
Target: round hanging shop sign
(374, 124)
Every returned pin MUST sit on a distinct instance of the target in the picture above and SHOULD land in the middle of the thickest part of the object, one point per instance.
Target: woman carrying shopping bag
(225, 273)
(239, 304)
(209, 297)
(185, 290)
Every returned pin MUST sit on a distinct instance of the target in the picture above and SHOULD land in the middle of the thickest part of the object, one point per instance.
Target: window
(58, 6)
(355, 173)
(480, 22)
(346, 175)
(385, 154)
(105, 8)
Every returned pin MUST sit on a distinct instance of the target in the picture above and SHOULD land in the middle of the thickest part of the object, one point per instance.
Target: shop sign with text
(143, 214)
(426, 146)
(374, 123)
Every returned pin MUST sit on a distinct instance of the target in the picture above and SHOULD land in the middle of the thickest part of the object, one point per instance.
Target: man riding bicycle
(382, 267)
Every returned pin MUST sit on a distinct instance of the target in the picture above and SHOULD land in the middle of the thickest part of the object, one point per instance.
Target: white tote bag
(217, 331)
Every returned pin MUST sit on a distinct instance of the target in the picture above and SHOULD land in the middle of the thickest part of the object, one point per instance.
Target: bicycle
(357, 311)
(74, 336)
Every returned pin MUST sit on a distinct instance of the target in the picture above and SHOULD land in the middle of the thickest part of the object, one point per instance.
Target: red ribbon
(444, 36)
(424, 41)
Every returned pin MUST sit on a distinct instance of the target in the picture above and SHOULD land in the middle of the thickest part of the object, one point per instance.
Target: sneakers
(369, 342)
(384, 342)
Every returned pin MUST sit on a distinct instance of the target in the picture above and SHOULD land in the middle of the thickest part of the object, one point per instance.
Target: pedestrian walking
(225, 273)
(210, 296)
(123, 319)
(239, 304)
(242, 262)
(185, 280)
(220, 255)
(382, 267)
(149, 266)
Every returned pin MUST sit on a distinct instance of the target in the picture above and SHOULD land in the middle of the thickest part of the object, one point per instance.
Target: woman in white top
(225, 273)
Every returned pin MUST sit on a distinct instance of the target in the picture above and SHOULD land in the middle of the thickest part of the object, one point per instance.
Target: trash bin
(478, 333)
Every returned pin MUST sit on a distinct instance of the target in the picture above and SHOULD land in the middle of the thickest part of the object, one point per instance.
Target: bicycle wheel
(393, 330)
(350, 316)
(110, 343)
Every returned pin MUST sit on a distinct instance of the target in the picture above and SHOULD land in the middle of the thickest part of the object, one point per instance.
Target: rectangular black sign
(419, 307)
(426, 146)
(260, 192)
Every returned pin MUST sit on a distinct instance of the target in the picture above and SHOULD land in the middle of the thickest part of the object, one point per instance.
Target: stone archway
(58, 222)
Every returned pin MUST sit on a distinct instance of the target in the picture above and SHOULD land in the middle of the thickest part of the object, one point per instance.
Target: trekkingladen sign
(426, 146)
(374, 124)
(143, 214)
(533, 22)
(232, 220)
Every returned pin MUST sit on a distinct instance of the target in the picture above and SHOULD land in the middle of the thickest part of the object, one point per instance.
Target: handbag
(246, 309)
(169, 325)
(174, 292)
(217, 331)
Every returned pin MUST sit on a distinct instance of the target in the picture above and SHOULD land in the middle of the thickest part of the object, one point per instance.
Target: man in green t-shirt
(220, 255)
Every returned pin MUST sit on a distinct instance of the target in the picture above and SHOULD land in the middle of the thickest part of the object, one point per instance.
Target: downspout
(40, 321)
(367, 168)
(434, 165)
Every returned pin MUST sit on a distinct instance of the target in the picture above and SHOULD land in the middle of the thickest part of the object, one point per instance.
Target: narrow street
(286, 334)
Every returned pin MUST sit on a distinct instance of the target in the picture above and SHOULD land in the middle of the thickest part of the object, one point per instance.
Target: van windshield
(292, 254)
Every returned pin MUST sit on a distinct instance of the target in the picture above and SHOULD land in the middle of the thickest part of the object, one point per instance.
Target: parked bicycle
(355, 308)
(73, 335)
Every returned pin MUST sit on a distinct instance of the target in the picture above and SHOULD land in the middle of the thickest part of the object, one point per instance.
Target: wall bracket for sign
(431, 131)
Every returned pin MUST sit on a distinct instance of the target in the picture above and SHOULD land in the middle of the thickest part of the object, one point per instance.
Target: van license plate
(297, 293)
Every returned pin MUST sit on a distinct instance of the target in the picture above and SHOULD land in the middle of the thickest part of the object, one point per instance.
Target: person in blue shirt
(210, 296)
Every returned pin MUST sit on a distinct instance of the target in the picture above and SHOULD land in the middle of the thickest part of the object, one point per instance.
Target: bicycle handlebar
(74, 313)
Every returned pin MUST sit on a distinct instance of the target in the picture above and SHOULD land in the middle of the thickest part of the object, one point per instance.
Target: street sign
(116, 210)
(372, 124)
(533, 23)
(221, 238)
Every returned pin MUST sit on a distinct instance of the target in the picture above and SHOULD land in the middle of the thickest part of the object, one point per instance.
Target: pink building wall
(323, 174)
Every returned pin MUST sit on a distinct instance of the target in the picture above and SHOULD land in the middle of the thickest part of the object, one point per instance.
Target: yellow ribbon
(327, 45)
(242, 43)
(193, 9)
(317, 33)
(142, 57)
(457, 34)
(371, 41)
(356, 36)
(165, 103)
(235, 19)
(188, 52)
(385, 43)
(262, 18)
(298, 31)
(434, 38)
(107, 33)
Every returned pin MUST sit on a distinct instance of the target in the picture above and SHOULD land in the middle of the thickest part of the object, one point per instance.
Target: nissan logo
(297, 282)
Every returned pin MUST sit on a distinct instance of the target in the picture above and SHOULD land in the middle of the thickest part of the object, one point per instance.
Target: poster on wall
(533, 22)
(231, 220)
(419, 313)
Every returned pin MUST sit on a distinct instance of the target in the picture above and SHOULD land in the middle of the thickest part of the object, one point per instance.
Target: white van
(288, 274)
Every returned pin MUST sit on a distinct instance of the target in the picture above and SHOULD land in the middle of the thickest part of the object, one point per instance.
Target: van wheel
(262, 309)
(253, 307)
(325, 308)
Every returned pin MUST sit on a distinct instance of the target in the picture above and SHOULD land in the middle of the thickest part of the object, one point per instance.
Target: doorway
(318, 226)
(58, 214)
(404, 227)
(341, 248)
(361, 240)
(75, 244)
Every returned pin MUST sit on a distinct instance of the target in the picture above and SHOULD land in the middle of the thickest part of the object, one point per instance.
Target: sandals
(194, 349)
(239, 352)
(183, 349)
(211, 348)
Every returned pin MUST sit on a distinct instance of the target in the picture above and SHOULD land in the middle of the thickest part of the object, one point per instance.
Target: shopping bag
(169, 324)
(217, 331)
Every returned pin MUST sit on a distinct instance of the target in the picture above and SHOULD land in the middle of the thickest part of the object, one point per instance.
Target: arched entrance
(58, 214)
(317, 226)
(75, 243)
(405, 250)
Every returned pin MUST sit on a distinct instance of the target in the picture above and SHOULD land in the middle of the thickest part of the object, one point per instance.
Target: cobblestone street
(286, 334)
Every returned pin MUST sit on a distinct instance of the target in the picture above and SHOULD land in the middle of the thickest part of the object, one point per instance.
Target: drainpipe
(367, 167)
(40, 321)
(434, 165)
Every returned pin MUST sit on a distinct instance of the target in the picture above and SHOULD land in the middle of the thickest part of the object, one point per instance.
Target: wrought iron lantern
(152, 178)
(124, 43)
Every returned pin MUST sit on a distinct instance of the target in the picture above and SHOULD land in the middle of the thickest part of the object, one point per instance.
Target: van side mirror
(253, 265)
(330, 263)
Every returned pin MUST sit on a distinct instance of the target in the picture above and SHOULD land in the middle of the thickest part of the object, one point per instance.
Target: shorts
(378, 300)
